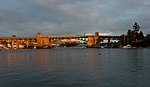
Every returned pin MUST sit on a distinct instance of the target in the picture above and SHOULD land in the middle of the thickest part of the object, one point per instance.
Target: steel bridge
(93, 40)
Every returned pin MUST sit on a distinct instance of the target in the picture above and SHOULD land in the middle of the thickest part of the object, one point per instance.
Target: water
(72, 67)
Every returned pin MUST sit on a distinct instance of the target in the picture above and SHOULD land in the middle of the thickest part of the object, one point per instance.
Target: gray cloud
(26, 17)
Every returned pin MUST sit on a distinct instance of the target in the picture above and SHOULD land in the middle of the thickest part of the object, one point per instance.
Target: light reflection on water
(73, 67)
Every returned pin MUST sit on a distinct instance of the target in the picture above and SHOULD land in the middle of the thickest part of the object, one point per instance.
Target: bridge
(40, 40)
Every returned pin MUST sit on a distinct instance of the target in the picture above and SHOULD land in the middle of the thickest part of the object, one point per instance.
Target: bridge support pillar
(108, 40)
(94, 41)
(12, 45)
(43, 41)
(27, 44)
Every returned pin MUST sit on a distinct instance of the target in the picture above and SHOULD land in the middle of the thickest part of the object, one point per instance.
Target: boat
(127, 46)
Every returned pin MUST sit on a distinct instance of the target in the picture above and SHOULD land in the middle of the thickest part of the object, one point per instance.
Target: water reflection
(75, 67)
(136, 62)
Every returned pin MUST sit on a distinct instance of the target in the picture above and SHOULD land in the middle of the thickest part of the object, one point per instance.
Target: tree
(141, 36)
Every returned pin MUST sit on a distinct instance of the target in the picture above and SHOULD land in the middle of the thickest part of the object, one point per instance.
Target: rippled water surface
(75, 67)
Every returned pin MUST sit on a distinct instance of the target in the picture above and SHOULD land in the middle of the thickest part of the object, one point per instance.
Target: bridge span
(40, 40)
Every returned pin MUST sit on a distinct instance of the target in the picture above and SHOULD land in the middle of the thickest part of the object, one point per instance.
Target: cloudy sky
(27, 17)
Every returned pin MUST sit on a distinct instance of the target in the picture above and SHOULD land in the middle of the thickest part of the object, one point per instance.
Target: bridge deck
(59, 36)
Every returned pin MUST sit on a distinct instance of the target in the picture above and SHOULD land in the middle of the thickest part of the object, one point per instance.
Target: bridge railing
(58, 36)
(16, 37)
(69, 36)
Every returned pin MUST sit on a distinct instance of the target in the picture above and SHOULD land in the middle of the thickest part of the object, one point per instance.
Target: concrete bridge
(40, 40)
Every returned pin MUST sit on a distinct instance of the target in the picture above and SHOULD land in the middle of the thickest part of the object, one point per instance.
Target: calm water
(72, 67)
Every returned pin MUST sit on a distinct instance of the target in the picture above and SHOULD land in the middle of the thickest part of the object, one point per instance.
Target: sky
(115, 17)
